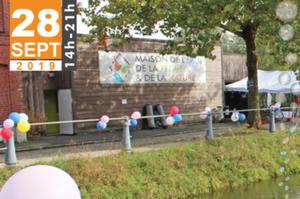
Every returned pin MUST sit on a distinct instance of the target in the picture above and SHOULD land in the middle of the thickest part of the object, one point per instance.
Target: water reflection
(262, 190)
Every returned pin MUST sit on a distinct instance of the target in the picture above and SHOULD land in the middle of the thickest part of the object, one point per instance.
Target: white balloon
(286, 32)
(235, 117)
(40, 182)
(291, 58)
(23, 117)
(285, 78)
(208, 109)
(8, 123)
(287, 11)
(227, 112)
(170, 121)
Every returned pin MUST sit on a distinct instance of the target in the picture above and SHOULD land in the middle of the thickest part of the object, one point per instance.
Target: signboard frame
(43, 35)
(150, 68)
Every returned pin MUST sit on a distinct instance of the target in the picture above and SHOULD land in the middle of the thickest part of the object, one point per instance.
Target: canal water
(262, 190)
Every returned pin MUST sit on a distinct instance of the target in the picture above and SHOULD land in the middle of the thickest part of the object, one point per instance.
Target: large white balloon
(40, 182)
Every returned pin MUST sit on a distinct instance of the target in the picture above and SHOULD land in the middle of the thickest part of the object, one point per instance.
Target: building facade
(234, 68)
(11, 97)
(38, 92)
(92, 98)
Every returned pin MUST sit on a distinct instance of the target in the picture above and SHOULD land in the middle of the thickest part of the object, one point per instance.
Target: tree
(194, 27)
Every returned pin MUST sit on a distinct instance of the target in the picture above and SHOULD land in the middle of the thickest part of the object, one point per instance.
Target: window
(1, 16)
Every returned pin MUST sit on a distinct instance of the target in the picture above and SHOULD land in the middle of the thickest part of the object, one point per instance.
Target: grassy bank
(182, 171)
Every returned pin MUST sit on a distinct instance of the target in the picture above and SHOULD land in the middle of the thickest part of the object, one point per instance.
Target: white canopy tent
(269, 82)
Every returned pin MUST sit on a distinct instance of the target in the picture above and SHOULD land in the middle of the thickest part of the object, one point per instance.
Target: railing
(10, 155)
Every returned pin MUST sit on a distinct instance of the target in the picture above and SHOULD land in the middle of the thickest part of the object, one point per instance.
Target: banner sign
(147, 68)
(42, 35)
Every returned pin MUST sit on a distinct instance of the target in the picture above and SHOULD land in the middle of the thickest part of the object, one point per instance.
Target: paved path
(105, 143)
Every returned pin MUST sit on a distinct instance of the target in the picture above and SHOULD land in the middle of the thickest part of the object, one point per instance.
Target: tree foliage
(190, 24)
(195, 27)
(233, 44)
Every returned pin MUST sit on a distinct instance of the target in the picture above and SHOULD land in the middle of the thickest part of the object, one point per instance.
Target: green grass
(183, 171)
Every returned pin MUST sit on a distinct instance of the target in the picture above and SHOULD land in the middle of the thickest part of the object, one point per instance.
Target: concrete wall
(235, 67)
(91, 99)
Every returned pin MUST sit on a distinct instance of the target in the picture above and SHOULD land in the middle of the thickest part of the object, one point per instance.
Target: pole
(209, 131)
(126, 134)
(272, 123)
(10, 155)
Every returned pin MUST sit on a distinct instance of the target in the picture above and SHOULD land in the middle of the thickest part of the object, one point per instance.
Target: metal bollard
(126, 134)
(10, 155)
(209, 132)
(272, 123)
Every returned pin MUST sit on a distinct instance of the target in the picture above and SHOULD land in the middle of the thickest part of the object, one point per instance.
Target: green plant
(182, 171)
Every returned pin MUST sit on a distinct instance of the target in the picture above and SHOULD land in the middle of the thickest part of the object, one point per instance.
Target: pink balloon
(277, 105)
(136, 115)
(104, 119)
(207, 109)
(8, 123)
(174, 110)
(203, 115)
(40, 182)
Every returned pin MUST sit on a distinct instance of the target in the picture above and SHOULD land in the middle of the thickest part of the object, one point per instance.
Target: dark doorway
(236, 100)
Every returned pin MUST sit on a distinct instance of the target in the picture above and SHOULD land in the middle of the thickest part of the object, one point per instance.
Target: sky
(81, 27)
(84, 29)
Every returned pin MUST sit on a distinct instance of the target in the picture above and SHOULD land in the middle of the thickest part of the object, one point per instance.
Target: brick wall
(91, 99)
(11, 92)
(10, 82)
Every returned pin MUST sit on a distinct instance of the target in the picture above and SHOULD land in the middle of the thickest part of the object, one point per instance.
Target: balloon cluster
(204, 114)
(174, 117)
(102, 124)
(20, 120)
(238, 117)
(135, 116)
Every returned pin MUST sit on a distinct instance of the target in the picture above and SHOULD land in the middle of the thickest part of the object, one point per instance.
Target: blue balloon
(133, 122)
(177, 118)
(14, 116)
(101, 125)
(242, 117)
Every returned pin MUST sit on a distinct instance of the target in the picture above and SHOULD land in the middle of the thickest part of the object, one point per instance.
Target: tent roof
(268, 82)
